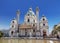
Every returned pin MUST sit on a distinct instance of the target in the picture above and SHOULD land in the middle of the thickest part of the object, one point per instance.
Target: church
(31, 27)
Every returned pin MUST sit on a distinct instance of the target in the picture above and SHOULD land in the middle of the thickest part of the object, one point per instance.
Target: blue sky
(50, 8)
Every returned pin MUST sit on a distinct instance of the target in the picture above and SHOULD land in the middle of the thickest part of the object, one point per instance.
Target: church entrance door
(44, 34)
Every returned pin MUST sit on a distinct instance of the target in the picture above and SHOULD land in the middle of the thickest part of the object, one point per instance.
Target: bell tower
(44, 26)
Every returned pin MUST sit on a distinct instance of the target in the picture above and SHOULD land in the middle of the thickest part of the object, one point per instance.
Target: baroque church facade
(32, 25)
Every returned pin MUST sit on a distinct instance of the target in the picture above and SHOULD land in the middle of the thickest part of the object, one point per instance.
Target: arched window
(28, 14)
(28, 20)
(43, 24)
(13, 21)
(12, 26)
(43, 19)
(33, 30)
(33, 25)
(34, 21)
(12, 32)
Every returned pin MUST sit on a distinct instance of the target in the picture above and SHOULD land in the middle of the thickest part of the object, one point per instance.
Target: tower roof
(43, 18)
(37, 8)
(43, 15)
(30, 9)
(18, 11)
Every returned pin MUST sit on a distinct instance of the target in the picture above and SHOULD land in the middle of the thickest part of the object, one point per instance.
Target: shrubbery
(1, 34)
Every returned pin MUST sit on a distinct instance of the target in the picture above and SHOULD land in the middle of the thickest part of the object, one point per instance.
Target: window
(34, 30)
(43, 19)
(12, 32)
(13, 21)
(43, 24)
(28, 14)
(34, 21)
(12, 26)
(18, 29)
(28, 20)
(33, 24)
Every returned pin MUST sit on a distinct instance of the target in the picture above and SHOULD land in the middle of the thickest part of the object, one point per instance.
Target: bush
(1, 34)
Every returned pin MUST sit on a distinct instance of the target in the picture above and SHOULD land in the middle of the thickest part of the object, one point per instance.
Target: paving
(28, 40)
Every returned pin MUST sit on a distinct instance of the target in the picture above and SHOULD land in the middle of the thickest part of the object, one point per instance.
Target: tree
(58, 28)
(1, 34)
(55, 27)
(54, 30)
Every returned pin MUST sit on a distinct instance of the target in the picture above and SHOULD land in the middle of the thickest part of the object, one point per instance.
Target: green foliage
(1, 34)
(55, 32)
(58, 28)
(55, 27)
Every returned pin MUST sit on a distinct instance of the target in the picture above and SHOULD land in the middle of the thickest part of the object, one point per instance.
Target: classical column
(18, 13)
(37, 15)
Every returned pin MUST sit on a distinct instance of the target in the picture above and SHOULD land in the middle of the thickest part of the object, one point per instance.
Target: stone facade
(32, 26)
(13, 28)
